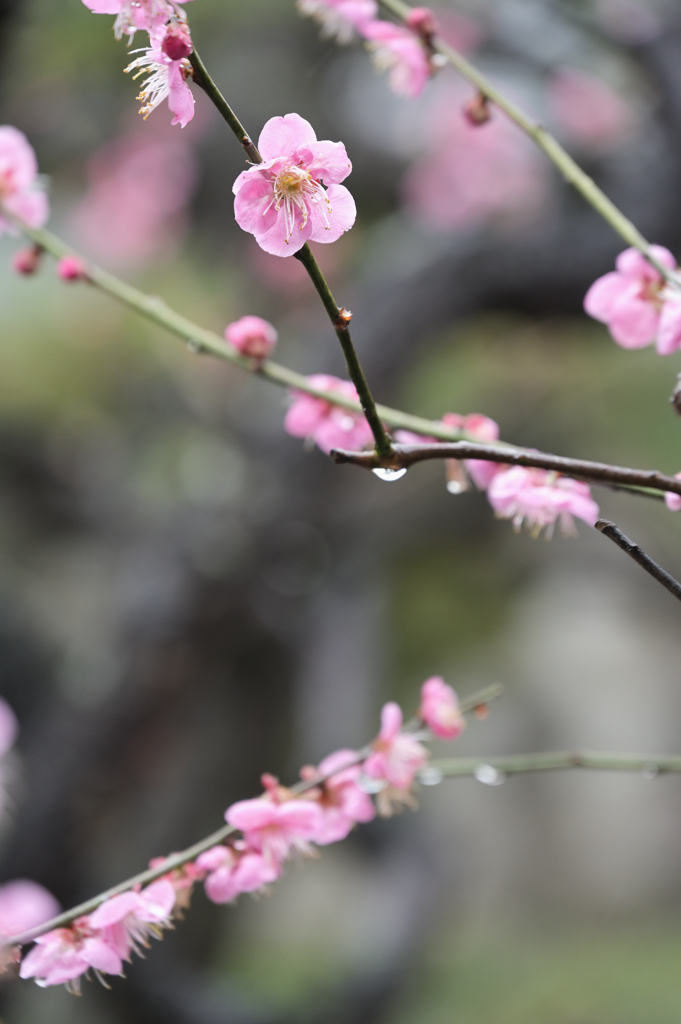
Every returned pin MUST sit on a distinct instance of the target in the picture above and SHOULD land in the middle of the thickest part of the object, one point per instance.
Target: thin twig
(568, 167)
(639, 555)
(477, 701)
(306, 257)
(649, 765)
(405, 455)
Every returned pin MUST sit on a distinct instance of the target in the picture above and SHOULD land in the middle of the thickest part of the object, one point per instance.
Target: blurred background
(188, 598)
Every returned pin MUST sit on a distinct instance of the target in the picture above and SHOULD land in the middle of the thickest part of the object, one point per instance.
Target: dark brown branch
(639, 555)
(406, 455)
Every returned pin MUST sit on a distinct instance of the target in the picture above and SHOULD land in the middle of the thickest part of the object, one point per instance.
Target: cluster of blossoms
(637, 304)
(332, 799)
(164, 60)
(406, 53)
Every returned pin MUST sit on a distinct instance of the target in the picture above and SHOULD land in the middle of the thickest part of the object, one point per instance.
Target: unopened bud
(252, 336)
(177, 42)
(421, 21)
(477, 111)
(71, 268)
(27, 261)
(343, 319)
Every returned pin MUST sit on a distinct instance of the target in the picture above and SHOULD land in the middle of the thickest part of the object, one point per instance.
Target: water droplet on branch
(388, 474)
(489, 776)
(430, 776)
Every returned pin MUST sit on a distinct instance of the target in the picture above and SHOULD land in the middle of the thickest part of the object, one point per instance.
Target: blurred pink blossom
(588, 109)
(630, 299)
(440, 709)
(343, 804)
(539, 497)
(275, 829)
(134, 207)
(24, 904)
(329, 426)
(71, 268)
(252, 336)
(127, 920)
(669, 330)
(396, 50)
(469, 174)
(20, 193)
(136, 15)
(340, 19)
(396, 756)
(480, 428)
(282, 201)
(673, 501)
(27, 261)
(61, 956)
(231, 871)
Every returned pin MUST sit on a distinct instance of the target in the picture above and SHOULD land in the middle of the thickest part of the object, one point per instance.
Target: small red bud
(177, 42)
(421, 21)
(71, 268)
(477, 111)
(27, 261)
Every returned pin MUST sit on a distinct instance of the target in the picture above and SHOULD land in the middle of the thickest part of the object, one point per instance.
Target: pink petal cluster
(135, 204)
(480, 428)
(399, 52)
(472, 174)
(588, 109)
(232, 870)
(329, 426)
(636, 304)
(103, 940)
(274, 829)
(167, 77)
(342, 802)
(539, 498)
(137, 15)
(294, 195)
(340, 19)
(20, 192)
(440, 709)
(252, 336)
(397, 756)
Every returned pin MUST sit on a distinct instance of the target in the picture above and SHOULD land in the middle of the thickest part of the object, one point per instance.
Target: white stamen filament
(294, 188)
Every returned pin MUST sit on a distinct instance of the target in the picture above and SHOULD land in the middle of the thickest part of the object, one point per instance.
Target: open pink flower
(482, 429)
(233, 870)
(61, 956)
(396, 756)
(396, 50)
(127, 920)
(630, 299)
(19, 191)
(440, 709)
(24, 904)
(340, 19)
(137, 15)
(275, 829)
(295, 195)
(329, 426)
(167, 80)
(252, 336)
(342, 803)
(539, 497)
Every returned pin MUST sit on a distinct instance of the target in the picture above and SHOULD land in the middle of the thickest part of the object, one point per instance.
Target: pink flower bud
(477, 111)
(421, 21)
(252, 336)
(440, 709)
(71, 268)
(27, 261)
(673, 501)
(177, 43)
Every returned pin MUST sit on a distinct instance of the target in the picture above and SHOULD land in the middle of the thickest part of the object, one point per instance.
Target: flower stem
(568, 167)
(305, 256)
(514, 763)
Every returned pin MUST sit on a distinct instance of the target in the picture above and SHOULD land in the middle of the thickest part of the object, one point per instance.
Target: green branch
(513, 764)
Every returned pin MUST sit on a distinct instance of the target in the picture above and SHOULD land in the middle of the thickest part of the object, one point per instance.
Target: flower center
(293, 188)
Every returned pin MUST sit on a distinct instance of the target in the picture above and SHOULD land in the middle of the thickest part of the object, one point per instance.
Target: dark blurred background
(188, 598)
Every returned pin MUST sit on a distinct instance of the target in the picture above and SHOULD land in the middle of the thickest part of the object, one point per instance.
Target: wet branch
(648, 764)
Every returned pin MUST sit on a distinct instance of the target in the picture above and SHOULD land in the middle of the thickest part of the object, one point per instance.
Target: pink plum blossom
(630, 299)
(127, 920)
(588, 109)
(233, 870)
(137, 194)
(539, 497)
(396, 50)
(167, 79)
(20, 193)
(61, 956)
(282, 201)
(329, 426)
(340, 19)
(673, 501)
(252, 336)
(396, 756)
(440, 709)
(24, 904)
(342, 803)
(275, 829)
(470, 174)
(669, 330)
(480, 428)
(137, 15)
